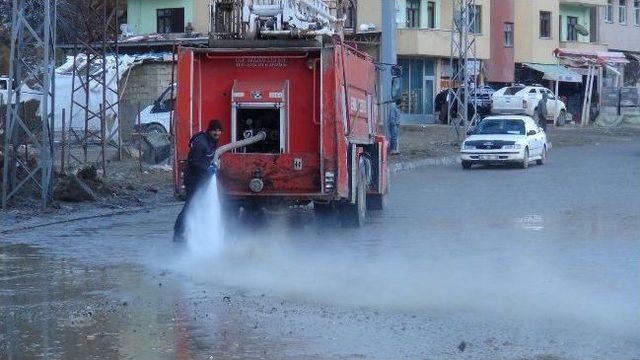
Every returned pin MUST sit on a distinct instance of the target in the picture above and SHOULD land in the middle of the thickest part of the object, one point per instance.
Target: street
(491, 263)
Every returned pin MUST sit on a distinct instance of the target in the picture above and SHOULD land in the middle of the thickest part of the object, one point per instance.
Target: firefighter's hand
(212, 170)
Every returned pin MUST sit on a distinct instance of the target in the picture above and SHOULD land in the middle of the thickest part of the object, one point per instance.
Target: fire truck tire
(354, 215)
(379, 201)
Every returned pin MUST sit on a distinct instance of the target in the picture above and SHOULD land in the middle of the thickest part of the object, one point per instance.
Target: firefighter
(200, 169)
(394, 126)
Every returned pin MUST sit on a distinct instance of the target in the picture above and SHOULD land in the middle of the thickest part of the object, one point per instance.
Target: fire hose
(235, 145)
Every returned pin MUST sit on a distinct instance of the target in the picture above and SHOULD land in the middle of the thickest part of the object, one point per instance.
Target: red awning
(600, 57)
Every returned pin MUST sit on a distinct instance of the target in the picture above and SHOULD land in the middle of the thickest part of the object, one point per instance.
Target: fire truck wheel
(379, 201)
(354, 215)
(322, 209)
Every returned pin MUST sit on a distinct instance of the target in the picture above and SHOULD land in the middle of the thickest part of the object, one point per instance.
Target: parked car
(482, 99)
(505, 139)
(522, 99)
(157, 116)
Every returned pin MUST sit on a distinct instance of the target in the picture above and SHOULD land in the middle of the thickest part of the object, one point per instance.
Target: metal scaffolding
(28, 140)
(463, 64)
(94, 45)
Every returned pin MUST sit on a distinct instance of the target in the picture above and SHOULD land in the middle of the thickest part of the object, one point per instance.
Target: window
(545, 24)
(622, 11)
(350, 16)
(413, 13)
(572, 32)
(636, 12)
(170, 20)
(508, 34)
(608, 11)
(475, 16)
(431, 14)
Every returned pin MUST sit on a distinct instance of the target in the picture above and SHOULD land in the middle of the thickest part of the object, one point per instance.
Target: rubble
(72, 189)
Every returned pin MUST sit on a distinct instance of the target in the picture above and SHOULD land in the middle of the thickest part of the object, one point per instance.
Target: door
(428, 95)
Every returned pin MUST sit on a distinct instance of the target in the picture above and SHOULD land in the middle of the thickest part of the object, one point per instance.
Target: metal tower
(28, 141)
(463, 64)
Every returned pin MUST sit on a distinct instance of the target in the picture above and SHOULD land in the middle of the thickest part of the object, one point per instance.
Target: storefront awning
(555, 72)
(600, 57)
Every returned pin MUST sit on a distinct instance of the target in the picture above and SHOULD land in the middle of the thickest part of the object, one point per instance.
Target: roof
(556, 72)
(507, 117)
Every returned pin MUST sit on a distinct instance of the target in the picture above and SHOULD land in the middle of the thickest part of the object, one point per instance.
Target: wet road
(494, 263)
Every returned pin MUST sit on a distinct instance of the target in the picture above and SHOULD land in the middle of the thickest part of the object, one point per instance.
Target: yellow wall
(529, 47)
(201, 16)
(437, 42)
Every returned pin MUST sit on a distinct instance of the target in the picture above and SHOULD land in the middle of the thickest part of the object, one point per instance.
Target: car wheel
(525, 160)
(543, 157)
(466, 164)
(354, 215)
(562, 118)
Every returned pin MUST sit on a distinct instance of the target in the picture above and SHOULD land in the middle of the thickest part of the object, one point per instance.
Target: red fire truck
(300, 120)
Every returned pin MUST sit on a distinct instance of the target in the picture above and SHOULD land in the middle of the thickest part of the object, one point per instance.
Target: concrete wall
(529, 46)
(622, 37)
(500, 65)
(145, 84)
(369, 11)
(142, 15)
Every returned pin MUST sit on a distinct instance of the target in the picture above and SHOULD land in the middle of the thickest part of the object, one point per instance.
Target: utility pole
(388, 53)
(463, 64)
(28, 144)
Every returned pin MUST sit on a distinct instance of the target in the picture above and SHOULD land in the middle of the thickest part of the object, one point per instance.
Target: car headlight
(512, 147)
(468, 147)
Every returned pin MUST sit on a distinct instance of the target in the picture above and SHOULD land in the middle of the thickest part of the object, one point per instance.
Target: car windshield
(503, 127)
(513, 90)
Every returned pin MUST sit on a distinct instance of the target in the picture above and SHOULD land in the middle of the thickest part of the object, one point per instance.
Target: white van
(157, 116)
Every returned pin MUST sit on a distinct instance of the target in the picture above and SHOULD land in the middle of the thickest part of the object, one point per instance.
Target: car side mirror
(531, 132)
(470, 132)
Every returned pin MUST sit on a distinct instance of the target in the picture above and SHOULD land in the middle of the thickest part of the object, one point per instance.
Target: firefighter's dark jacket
(201, 150)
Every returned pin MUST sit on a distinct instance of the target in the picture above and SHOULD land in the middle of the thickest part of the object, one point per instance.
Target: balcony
(584, 2)
(434, 42)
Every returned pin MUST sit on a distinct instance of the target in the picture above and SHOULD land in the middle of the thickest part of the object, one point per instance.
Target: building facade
(499, 67)
(167, 16)
(623, 17)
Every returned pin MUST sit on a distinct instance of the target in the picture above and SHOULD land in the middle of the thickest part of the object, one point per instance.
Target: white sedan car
(505, 139)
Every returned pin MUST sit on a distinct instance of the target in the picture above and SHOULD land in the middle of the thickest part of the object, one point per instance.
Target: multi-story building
(168, 16)
(423, 42)
(619, 17)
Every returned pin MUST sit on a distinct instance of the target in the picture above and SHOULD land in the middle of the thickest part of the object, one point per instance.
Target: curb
(421, 163)
(89, 217)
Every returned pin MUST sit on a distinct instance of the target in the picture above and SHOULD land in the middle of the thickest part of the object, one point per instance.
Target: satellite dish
(581, 29)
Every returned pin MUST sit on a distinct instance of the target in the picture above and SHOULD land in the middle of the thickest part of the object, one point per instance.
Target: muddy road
(493, 263)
